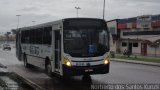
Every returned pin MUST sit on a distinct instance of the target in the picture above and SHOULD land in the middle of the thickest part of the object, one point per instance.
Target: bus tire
(25, 61)
(86, 79)
(48, 68)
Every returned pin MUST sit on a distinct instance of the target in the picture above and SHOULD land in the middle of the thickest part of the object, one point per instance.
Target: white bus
(68, 47)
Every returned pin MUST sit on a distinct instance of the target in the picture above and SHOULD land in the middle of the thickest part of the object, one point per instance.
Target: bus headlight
(106, 60)
(67, 62)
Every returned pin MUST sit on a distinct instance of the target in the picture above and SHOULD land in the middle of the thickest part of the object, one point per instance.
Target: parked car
(6, 46)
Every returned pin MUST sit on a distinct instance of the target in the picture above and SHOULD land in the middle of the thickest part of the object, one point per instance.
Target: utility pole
(104, 8)
(18, 21)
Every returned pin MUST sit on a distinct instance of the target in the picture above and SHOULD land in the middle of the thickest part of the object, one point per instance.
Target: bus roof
(54, 22)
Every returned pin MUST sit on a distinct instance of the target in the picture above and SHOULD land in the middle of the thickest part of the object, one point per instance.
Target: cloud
(150, 1)
(28, 9)
(50, 10)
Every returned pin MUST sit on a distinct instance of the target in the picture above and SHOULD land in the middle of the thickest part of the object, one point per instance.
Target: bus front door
(57, 50)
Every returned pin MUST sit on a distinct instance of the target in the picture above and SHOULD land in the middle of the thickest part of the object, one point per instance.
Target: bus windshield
(86, 42)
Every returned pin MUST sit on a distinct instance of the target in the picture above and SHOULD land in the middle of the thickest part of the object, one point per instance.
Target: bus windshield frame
(85, 37)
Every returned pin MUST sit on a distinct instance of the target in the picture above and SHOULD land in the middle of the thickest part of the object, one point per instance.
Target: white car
(6, 46)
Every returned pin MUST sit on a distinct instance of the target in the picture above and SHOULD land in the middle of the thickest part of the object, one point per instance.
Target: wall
(151, 38)
(112, 26)
(135, 50)
(151, 51)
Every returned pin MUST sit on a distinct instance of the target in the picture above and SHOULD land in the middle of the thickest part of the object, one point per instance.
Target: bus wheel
(86, 79)
(25, 61)
(48, 68)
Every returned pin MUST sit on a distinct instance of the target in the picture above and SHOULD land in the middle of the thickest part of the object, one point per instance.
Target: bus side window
(25, 36)
(32, 37)
(27, 32)
(22, 37)
(47, 35)
(39, 34)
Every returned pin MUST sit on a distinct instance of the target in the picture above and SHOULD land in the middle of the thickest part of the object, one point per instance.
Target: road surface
(120, 73)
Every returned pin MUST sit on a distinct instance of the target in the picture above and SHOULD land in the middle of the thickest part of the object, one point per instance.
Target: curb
(136, 62)
(29, 82)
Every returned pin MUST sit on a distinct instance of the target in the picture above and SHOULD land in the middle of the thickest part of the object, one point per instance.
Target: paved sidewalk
(136, 62)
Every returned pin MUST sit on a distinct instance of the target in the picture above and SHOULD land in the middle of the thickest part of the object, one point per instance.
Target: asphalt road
(120, 73)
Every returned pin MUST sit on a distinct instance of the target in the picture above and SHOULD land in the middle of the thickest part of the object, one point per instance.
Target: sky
(42, 11)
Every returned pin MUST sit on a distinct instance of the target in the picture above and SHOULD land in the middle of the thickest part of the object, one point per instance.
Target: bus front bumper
(83, 70)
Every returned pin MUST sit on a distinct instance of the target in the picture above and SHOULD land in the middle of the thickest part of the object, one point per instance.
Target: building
(139, 35)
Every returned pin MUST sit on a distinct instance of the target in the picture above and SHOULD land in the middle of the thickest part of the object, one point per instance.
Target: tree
(13, 31)
(7, 35)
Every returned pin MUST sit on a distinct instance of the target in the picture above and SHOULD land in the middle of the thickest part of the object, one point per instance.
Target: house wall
(153, 51)
(112, 27)
(151, 38)
(135, 50)
(139, 34)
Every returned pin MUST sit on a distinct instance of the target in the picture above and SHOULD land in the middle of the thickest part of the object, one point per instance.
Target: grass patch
(2, 83)
(139, 58)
